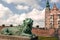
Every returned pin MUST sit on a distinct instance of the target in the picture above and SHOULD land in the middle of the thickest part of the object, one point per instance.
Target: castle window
(51, 17)
(59, 26)
(51, 24)
(59, 22)
(58, 16)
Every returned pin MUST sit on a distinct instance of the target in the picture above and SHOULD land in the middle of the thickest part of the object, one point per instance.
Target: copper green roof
(47, 4)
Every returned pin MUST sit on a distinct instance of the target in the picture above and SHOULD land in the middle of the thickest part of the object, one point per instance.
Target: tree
(11, 25)
(3, 25)
(37, 26)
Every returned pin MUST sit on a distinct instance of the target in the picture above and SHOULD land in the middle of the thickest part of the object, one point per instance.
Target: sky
(15, 11)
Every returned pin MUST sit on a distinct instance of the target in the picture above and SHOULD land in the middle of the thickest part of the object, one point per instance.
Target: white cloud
(55, 1)
(33, 3)
(4, 13)
(16, 19)
(20, 1)
(20, 7)
(35, 14)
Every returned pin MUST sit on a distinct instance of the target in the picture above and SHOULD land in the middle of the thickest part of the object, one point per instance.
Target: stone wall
(43, 32)
(6, 37)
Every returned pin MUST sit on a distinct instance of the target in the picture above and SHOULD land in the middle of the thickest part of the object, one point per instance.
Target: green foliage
(47, 38)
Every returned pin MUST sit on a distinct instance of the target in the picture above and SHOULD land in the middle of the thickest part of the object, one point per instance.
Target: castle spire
(47, 13)
(55, 7)
(47, 4)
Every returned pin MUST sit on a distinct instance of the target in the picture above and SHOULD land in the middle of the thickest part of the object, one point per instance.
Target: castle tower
(55, 7)
(47, 15)
(54, 16)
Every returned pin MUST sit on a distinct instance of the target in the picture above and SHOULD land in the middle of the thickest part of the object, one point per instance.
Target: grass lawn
(47, 38)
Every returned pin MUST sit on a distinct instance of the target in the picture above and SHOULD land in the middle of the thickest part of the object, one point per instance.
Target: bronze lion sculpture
(23, 30)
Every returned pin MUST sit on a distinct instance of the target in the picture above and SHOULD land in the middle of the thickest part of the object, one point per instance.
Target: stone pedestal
(6, 37)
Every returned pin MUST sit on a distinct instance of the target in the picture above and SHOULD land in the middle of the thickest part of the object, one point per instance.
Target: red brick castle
(52, 16)
(52, 22)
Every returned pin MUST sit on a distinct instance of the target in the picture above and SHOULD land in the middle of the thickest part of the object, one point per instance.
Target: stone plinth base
(6, 37)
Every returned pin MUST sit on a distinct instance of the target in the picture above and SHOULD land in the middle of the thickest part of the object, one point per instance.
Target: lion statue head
(27, 24)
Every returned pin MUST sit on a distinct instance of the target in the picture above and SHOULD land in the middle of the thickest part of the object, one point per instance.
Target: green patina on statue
(23, 30)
